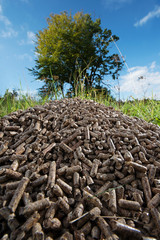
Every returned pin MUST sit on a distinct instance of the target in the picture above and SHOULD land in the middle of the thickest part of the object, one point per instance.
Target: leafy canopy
(73, 50)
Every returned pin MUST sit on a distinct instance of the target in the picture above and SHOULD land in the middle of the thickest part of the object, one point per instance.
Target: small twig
(73, 221)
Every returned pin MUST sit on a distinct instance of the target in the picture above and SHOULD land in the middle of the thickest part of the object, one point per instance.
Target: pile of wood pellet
(76, 169)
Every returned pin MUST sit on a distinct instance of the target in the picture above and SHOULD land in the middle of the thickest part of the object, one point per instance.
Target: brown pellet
(130, 205)
(18, 194)
(76, 169)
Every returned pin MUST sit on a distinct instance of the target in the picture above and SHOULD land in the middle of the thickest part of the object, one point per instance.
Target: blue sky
(137, 23)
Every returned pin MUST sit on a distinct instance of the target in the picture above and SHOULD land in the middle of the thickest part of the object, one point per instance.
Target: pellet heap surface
(76, 169)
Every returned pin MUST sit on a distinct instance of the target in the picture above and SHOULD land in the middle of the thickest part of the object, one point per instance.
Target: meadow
(146, 109)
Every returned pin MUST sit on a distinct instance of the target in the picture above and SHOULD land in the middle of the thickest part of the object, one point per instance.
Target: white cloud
(25, 56)
(150, 15)
(115, 4)
(21, 42)
(8, 31)
(30, 37)
(153, 65)
(141, 80)
(3, 18)
(31, 93)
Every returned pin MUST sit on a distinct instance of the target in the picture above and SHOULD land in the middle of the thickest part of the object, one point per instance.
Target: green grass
(147, 109)
(10, 103)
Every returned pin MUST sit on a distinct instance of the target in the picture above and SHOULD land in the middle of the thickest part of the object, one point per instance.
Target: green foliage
(73, 49)
(147, 109)
(12, 101)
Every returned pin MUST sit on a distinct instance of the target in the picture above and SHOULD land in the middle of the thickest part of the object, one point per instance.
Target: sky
(135, 22)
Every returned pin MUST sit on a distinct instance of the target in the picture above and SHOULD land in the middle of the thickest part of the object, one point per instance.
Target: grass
(147, 109)
(10, 103)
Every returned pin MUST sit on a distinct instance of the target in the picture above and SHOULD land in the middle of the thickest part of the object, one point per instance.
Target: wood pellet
(76, 169)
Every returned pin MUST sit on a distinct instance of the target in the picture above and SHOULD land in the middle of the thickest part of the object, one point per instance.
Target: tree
(10, 95)
(73, 50)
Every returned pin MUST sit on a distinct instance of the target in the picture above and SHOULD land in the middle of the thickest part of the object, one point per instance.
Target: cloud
(30, 38)
(8, 30)
(115, 4)
(24, 56)
(141, 80)
(31, 93)
(153, 65)
(3, 18)
(150, 15)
